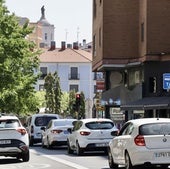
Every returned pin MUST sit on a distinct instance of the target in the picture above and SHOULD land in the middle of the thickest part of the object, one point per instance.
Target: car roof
(44, 114)
(63, 119)
(142, 121)
(95, 119)
(8, 117)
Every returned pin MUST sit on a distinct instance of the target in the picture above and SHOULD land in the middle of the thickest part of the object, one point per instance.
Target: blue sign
(166, 81)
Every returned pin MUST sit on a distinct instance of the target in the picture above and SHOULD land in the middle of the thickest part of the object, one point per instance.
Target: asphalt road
(56, 158)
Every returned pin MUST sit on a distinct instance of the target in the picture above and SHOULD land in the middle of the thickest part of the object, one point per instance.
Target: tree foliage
(53, 93)
(18, 60)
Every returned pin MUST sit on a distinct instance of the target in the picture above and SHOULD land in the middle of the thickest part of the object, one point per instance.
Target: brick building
(131, 45)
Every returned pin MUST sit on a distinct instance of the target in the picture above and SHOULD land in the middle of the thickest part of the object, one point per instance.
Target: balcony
(74, 76)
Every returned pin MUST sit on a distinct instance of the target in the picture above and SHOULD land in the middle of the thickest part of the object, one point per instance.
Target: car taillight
(32, 129)
(56, 131)
(22, 131)
(139, 140)
(84, 133)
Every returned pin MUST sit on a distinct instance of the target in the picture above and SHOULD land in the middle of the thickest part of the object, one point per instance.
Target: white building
(74, 68)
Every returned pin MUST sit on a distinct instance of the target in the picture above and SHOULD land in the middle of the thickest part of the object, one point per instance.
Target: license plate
(162, 154)
(5, 141)
(101, 144)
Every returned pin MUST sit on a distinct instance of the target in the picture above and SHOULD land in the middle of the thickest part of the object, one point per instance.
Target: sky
(72, 19)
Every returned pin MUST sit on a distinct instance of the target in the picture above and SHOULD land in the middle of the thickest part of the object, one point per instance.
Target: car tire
(79, 151)
(69, 150)
(31, 142)
(128, 164)
(111, 161)
(26, 156)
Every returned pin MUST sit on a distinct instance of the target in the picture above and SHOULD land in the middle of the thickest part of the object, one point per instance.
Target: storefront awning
(148, 103)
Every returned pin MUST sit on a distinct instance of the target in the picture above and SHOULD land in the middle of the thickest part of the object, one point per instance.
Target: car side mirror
(69, 130)
(43, 128)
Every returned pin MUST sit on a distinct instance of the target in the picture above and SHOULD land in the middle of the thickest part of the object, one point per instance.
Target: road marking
(71, 164)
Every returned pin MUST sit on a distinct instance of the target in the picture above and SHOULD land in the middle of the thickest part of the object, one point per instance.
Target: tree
(18, 60)
(57, 94)
(49, 96)
(53, 93)
(72, 102)
(81, 112)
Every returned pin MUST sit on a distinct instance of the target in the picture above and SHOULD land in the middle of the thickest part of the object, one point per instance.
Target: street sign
(166, 81)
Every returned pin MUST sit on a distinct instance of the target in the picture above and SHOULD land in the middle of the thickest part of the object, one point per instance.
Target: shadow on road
(9, 161)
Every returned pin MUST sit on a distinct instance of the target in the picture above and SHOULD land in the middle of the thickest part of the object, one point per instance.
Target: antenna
(78, 34)
(66, 35)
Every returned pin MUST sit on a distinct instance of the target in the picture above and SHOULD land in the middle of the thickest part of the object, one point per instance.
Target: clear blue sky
(72, 18)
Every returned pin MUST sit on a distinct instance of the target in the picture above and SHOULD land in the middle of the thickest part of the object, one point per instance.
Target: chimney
(52, 45)
(63, 45)
(75, 45)
(69, 46)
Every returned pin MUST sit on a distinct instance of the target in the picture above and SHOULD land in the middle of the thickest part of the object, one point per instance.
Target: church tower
(47, 30)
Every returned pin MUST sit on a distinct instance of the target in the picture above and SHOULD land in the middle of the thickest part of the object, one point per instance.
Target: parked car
(34, 124)
(91, 134)
(56, 132)
(14, 141)
(141, 142)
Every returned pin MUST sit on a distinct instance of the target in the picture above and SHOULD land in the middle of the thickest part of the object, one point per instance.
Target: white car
(141, 142)
(14, 141)
(91, 134)
(34, 124)
(56, 132)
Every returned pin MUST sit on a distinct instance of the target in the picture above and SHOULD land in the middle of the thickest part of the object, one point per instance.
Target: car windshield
(43, 120)
(155, 129)
(12, 123)
(99, 125)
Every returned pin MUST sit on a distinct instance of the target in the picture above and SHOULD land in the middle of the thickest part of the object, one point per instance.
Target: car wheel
(69, 150)
(111, 161)
(128, 164)
(79, 150)
(31, 142)
(26, 156)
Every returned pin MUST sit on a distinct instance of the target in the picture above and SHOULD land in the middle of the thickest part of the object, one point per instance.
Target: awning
(148, 103)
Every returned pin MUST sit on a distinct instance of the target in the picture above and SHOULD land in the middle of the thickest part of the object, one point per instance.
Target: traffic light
(78, 98)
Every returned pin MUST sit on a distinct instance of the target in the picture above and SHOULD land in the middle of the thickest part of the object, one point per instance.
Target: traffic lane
(36, 162)
(89, 160)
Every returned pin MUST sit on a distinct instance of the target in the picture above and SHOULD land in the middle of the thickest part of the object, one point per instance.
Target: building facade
(74, 68)
(131, 44)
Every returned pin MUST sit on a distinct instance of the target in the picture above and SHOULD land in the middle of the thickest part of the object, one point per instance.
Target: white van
(34, 124)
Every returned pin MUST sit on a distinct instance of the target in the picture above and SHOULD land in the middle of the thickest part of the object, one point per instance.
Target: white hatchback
(14, 141)
(143, 142)
(56, 132)
(91, 134)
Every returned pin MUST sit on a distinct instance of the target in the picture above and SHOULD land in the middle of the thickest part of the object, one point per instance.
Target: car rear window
(12, 123)
(63, 123)
(155, 129)
(43, 120)
(99, 125)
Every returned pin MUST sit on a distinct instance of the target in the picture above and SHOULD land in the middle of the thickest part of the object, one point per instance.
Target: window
(41, 87)
(142, 32)
(43, 71)
(74, 73)
(99, 125)
(45, 36)
(74, 87)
